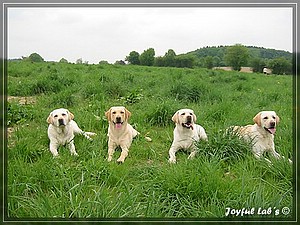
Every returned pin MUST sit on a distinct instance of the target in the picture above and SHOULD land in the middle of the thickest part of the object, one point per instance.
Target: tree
(63, 60)
(120, 62)
(34, 57)
(79, 61)
(236, 56)
(257, 64)
(147, 57)
(169, 58)
(184, 61)
(216, 61)
(209, 62)
(159, 61)
(280, 66)
(103, 62)
(133, 58)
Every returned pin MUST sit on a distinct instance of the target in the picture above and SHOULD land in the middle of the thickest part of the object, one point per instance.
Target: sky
(111, 33)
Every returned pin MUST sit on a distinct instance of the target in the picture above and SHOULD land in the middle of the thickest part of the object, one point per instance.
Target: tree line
(170, 59)
(235, 56)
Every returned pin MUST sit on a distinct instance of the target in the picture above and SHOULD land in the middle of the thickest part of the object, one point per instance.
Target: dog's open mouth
(271, 130)
(188, 125)
(118, 125)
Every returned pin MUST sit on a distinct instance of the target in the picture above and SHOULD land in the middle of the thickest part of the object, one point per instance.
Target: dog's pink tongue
(118, 125)
(272, 130)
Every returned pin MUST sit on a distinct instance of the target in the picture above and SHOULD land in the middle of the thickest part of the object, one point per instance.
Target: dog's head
(267, 120)
(60, 117)
(118, 115)
(185, 118)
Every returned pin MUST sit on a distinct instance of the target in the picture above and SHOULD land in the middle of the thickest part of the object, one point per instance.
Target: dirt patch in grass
(28, 100)
(22, 100)
(10, 130)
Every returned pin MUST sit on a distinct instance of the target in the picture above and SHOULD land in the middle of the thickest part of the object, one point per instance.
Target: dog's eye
(191, 114)
(55, 116)
(114, 112)
(265, 118)
(122, 112)
(63, 114)
(273, 117)
(182, 114)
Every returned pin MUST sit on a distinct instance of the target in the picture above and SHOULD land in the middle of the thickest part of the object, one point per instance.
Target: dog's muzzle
(118, 123)
(272, 128)
(61, 122)
(188, 124)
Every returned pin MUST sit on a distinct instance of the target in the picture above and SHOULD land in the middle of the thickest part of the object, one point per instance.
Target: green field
(223, 175)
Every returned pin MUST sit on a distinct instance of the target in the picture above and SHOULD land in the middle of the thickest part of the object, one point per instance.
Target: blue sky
(111, 33)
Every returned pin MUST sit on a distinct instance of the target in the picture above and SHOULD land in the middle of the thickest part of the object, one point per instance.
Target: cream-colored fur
(62, 129)
(120, 132)
(186, 133)
(261, 134)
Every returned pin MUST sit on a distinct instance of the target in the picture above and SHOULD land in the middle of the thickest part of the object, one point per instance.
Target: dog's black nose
(118, 119)
(61, 122)
(188, 119)
(272, 124)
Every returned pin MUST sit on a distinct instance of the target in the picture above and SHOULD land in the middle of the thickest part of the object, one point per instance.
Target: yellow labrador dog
(261, 134)
(120, 132)
(186, 133)
(62, 129)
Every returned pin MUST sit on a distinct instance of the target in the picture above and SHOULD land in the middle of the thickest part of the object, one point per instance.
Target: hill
(254, 52)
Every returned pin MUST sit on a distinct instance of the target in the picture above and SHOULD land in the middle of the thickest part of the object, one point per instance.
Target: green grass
(224, 173)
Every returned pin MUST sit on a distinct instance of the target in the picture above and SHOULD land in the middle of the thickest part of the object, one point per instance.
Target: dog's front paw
(190, 157)
(172, 160)
(120, 160)
(91, 133)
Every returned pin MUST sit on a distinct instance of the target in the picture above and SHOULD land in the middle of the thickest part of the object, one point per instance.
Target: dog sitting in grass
(62, 129)
(261, 134)
(120, 132)
(186, 133)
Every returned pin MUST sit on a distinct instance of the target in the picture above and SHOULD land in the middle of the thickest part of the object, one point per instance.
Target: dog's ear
(194, 117)
(127, 114)
(108, 114)
(50, 119)
(175, 118)
(257, 119)
(71, 116)
(277, 119)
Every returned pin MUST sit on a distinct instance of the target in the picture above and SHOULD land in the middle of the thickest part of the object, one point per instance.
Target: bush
(114, 90)
(132, 98)
(50, 83)
(191, 93)
(161, 115)
(17, 113)
(65, 98)
(226, 146)
(34, 57)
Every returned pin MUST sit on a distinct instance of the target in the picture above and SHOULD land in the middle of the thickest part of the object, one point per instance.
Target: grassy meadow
(223, 175)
